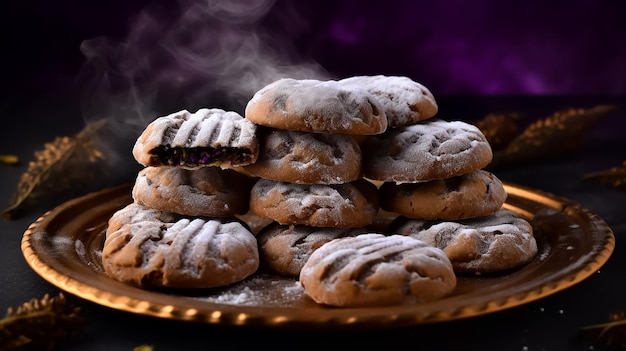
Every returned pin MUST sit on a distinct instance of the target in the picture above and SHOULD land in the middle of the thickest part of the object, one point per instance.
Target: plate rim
(238, 315)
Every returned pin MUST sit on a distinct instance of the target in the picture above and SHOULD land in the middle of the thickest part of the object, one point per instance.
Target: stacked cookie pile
(311, 185)
(432, 176)
(319, 162)
(310, 167)
(180, 231)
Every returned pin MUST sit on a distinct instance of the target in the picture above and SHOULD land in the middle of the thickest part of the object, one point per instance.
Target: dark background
(68, 62)
(453, 46)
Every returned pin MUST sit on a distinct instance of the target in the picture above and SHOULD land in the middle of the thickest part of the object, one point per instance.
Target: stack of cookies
(431, 175)
(310, 167)
(312, 186)
(318, 164)
(181, 229)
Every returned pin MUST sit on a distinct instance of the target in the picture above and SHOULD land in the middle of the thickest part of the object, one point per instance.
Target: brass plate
(64, 245)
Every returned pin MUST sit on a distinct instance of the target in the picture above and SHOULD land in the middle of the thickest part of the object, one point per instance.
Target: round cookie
(310, 105)
(207, 191)
(404, 100)
(284, 249)
(432, 149)
(474, 194)
(306, 158)
(208, 137)
(501, 241)
(353, 204)
(150, 248)
(374, 269)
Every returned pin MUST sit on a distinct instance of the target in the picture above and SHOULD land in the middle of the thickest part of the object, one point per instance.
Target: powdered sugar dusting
(307, 158)
(319, 205)
(433, 149)
(497, 242)
(404, 100)
(260, 290)
(317, 106)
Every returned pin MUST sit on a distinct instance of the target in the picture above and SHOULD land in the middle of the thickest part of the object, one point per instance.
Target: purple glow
(485, 47)
(197, 47)
(217, 52)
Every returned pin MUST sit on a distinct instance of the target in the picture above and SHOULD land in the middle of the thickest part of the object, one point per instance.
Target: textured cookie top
(310, 105)
(207, 191)
(493, 243)
(306, 158)
(192, 140)
(405, 101)
(432, 149)
(374, 269)
(147, 247)
(284, 249)
(474, 194)
(334, 205)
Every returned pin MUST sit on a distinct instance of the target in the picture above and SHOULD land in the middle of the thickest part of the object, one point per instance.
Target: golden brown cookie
(353, 204)
(474, 194)
(374, 269)
(284, 249)
(405, 101)
(208, 137)
(151, 248)
(306, 158)
(310, 105)
(501, 241)
(432, 149)
(207, 191)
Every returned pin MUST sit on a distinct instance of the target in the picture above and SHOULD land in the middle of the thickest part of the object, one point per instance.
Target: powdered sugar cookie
(374, 269)
(432, 149)
(310, 105)
(501, 241)
(208, 137)
(151, 248)
(207, 191)
(405, 101)
(475, 194)
(353, 204)
(285, 248)
(306, 158)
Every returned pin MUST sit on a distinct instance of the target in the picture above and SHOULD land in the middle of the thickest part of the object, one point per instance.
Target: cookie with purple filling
(208, 137)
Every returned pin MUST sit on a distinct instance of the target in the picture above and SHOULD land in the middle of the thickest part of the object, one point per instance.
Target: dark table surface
(550, 323)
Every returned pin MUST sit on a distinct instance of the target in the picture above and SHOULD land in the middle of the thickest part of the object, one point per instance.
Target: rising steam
(211, 53)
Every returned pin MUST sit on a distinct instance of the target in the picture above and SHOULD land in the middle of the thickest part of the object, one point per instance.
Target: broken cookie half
(208, 137)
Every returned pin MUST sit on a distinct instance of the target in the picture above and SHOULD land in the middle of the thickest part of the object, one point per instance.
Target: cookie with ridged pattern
(207, 137)
(374, 269)
(147, 248)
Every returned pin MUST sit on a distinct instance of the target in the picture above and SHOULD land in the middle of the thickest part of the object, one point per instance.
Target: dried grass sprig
(611, 333)
(615, 176)
(39, 324)
(552, 136)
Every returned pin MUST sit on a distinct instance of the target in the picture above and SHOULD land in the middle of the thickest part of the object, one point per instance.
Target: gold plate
(64, 246)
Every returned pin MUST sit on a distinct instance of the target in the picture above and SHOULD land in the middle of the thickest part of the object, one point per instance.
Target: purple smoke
(188, 49)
